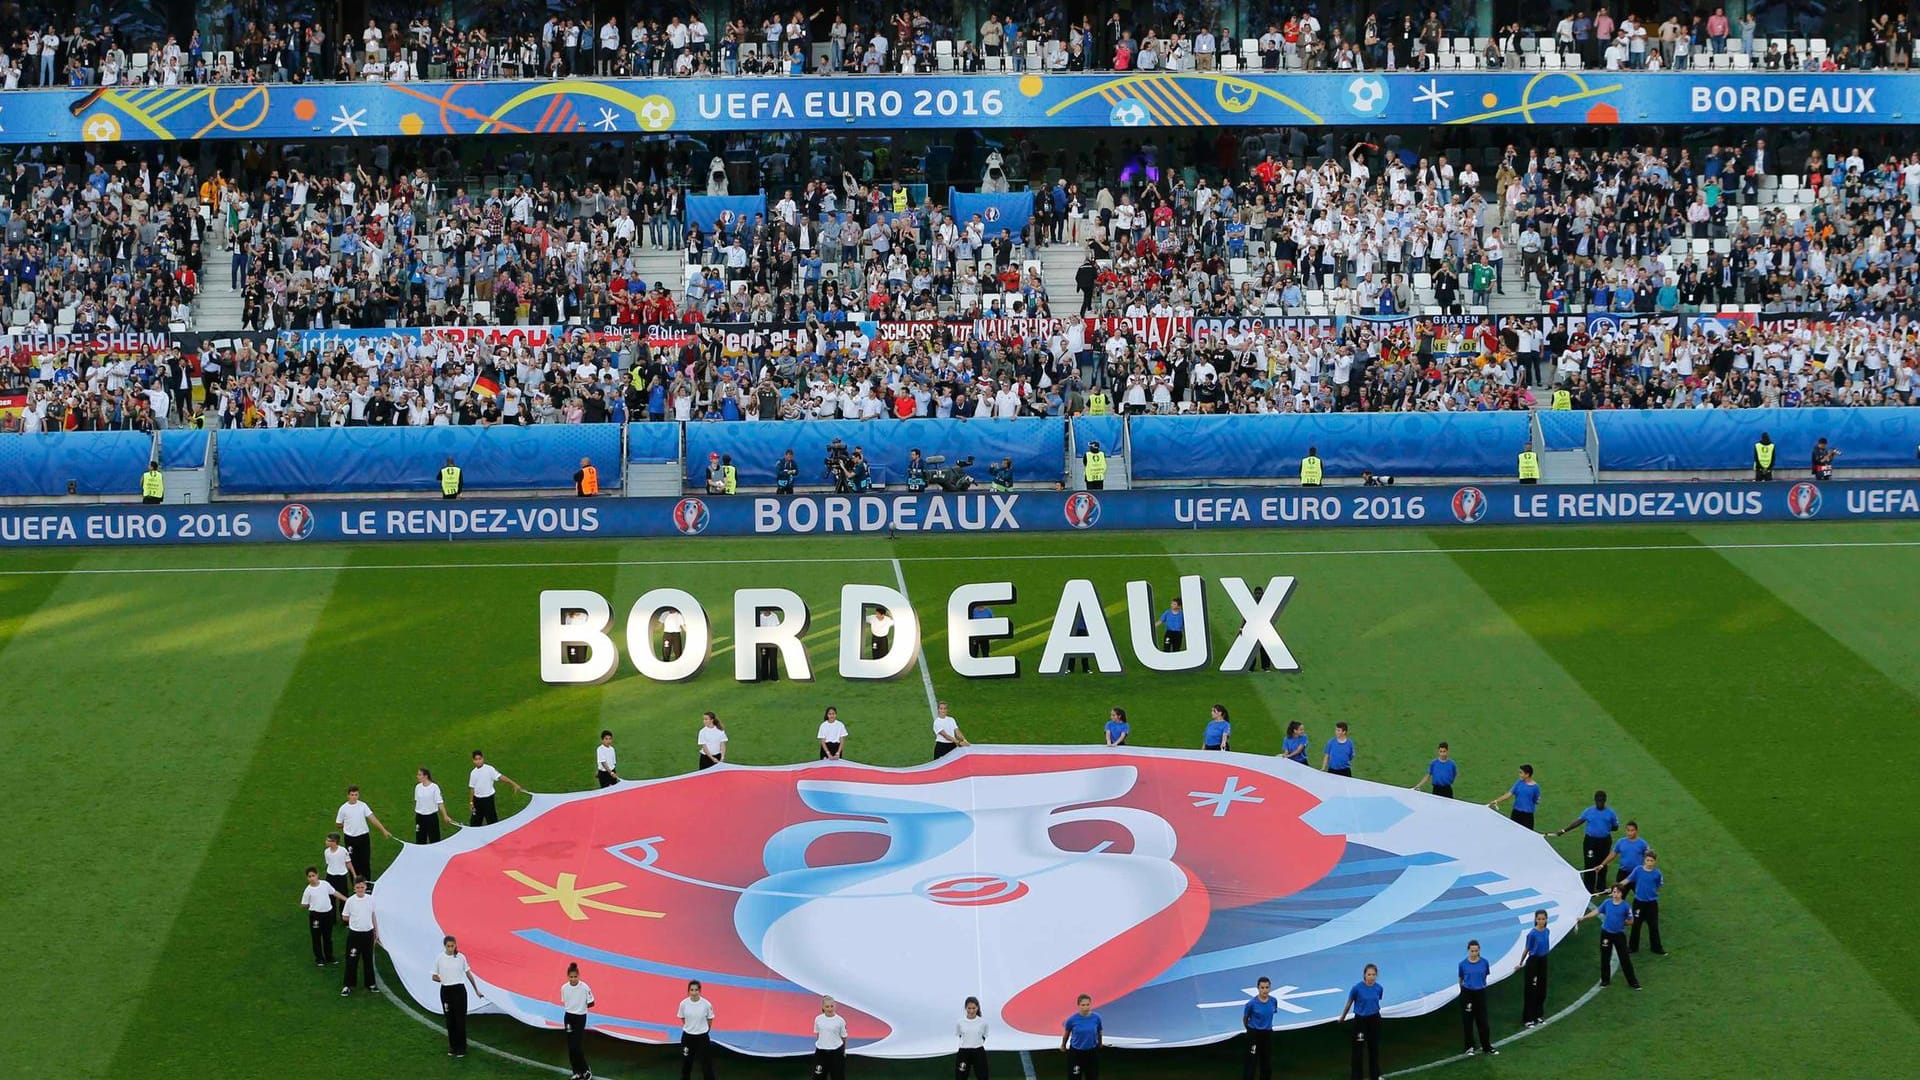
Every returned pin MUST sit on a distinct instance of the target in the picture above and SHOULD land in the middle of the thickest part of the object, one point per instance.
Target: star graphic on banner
(1283, 998)
(1222, 801)
(351, 123)
(608, 121)
(574, 900)
(1433, 98)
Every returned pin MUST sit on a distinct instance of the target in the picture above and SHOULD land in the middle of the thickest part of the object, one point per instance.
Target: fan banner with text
(1162, 882)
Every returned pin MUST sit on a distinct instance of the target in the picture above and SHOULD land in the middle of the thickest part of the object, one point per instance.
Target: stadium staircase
(219, 306)
(668, 267)
(1058, 265)
(1119, 477)
(1563, 466)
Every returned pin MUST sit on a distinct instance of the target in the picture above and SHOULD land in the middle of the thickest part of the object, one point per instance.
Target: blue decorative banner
(987, 512)
(869, 102)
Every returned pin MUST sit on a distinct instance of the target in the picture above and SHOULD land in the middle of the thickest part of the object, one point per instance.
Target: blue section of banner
(970, 512)
(1104, 430)
(1037, 447)
(1194, 99)
(1563, 430)
(1271, 447)
(1877, 438)
(1009, 211)
(653, 444)
(703, 211)
(183, 449)
(94, 462)
(326, 460)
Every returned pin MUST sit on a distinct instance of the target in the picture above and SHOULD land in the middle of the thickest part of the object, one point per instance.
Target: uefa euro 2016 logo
(902, 891)
(1469, 505)
(296, 521)
(690, 516)
(1803, 500)
(1083, 510)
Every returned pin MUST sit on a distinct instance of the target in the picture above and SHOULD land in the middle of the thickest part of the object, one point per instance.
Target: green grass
(175, 744)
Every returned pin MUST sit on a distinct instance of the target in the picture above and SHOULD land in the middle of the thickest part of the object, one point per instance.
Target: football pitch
(179, 725)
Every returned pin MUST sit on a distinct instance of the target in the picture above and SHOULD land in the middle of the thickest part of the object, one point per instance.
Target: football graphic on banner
(1162, 882)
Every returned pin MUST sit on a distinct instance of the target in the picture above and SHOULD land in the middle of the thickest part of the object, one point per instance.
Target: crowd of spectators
(869, 38)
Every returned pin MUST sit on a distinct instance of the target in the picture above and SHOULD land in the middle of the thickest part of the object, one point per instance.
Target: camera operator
(839, 466)
(916, 471)
(860, 475)
(1001, 473)
(784, 473)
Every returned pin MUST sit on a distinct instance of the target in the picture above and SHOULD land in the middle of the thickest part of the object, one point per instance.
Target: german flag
(486, 381)
(12, 403)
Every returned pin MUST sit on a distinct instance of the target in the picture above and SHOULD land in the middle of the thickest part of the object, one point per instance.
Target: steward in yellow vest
(1096, 467)
(450, 480)
(1763, 457)
(1529, 466)
(1310, 469)
(1563, 400)
(153, 485)
(729, 475)
(1098, 404)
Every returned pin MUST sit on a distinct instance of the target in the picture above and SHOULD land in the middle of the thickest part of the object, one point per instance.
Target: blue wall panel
(653, 444)
(98, 462)
(1563, 430)
(1037, 446)
(1268, 447)
(328, 460)
(183, 449)
(1692, 439)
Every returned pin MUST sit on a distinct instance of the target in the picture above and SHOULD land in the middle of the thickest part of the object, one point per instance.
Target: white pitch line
(1081, 556)
(920, 654)
(1592, 992)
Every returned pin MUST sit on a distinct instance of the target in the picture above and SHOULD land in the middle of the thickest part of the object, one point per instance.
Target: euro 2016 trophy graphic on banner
(1162, 882)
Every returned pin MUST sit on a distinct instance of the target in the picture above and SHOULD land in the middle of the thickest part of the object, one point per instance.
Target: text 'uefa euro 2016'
(670, 636)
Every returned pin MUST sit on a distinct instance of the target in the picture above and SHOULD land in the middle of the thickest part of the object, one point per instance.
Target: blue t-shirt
(1646, 884)
(1339, 754)
(1601, 823)
(1526, 797)
(1083, 1032)
(1174, 620)
(1613, 915)
(1538, 942)
(1473, 974)
(1442, 772)
(1116, 731)
(1217, 732)
(1365, 999)
(1258, 1015)
(1295, 748)
(1631, 853)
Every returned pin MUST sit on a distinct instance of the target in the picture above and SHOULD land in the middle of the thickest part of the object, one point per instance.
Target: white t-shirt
(359, 912)
(712, 741)
(696, 1017)
(603, 758)
(426, 799)
(481, 780)
(451, 969)
(832, 731)
(318, 898)
(945, 728)
(574, 997)
(972, 1033)
(829, 1032)
(880, 624)
(337, 860)
(352, 817)
(672, 622)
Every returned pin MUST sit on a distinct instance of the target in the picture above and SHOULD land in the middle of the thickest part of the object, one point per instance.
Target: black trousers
(1341, 772)
(1645, 913)
(359, 952)
(1762, 474)
(1366, 1044)
(1175, 641)
(877, 647)
(706, 762)
(453, 1005)
(320, 930)
(1445, 791)
(484, 811)
(426, 828)
(1593, 849)
(1096, 485)
(832, 747)
(970, 1063)
(1525, 817)
(672, 645)
(360, 852)
(1534, 1006)
(830, 1064)
(605, 778)
(696, 1048)
(1473, 1019)
(1610, 946)
(577, 1043)
(942, 749)
(1257, 1064)
(977, 647)
(766, 664)
(342, 885)
(1083, 1064)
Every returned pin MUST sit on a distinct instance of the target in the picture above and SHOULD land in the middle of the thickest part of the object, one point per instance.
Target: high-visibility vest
(589, 480)
(153, 485)
(1529, 465)
(1310, 472)
(1562, 400)
(450, 480)
(1096, 465)
(1097, 404)
(1763, 454)
(730, 478)
(899, 200)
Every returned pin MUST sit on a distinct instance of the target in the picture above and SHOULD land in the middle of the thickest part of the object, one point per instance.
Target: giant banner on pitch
(1162, 882)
